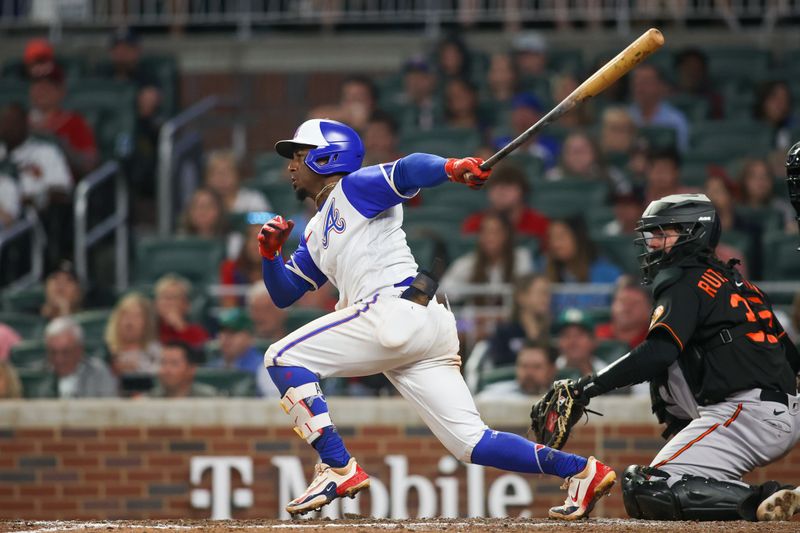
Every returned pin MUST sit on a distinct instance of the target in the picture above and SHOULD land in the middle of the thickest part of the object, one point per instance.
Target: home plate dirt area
(610, 525)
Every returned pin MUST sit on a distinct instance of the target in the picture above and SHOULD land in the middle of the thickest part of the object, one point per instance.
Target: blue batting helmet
(334, 147)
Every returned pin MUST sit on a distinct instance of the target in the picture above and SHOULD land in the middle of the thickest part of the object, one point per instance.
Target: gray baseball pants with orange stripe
(731, 438)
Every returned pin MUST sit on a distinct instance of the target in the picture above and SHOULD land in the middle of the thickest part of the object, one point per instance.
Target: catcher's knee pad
(297, 404)
(647, 495)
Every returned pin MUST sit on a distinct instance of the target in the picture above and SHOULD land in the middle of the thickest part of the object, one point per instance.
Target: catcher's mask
(696, 222)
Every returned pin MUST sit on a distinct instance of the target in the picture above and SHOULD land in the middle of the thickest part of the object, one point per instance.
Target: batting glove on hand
(273, 236)
(467, 171)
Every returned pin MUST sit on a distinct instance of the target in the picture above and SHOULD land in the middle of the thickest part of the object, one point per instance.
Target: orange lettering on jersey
(711, 291)
(710, 281)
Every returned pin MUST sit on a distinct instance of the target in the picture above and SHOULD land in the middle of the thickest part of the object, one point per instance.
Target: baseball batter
(387, 318)
(722, 374)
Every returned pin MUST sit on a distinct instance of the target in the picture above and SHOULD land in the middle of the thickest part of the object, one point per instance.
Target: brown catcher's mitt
(553, 416)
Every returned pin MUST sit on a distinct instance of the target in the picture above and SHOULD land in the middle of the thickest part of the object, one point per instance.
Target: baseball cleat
(780, 506)
(583, 491)
(328, 484)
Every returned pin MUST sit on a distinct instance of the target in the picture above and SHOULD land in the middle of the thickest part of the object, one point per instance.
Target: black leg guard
(646, 495)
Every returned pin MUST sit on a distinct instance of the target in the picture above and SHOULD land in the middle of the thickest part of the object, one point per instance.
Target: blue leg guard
(302, 399)
(511, 452)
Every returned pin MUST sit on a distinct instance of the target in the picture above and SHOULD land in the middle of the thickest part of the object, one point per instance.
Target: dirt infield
(609, 525)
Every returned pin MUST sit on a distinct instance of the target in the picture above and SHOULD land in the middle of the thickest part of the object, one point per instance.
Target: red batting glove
(273, 236)
(467, 171)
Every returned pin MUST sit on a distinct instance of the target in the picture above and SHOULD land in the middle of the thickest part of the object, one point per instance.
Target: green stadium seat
(195, 259)
(448, 142)
(37, 383)
(280, 194)
(567, 197)
(781, 258)
(695, 108)
(110, 107)
(565, 60)
(437, 213)
(453, 197)
(737, 63)
(740, 241)
(27, 300)
(495, 375)
(164, 69)
(659, 136)
(269, 168)
(767, 218)
(620, 250)
(610, 350)
(29, 354)
(598, 216)
(13, 90)
(424, 251)
(28, 326)
(93, 323)
(458, 245)
(568, 373)
(694, 173)
(297, 317)
(228, 382)
(726, 139)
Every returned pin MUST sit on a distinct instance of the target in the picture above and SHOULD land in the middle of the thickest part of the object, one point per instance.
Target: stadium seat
(453, 197)
(781, 258)
(610, 350)
(27, 300)
(195, 259)
(565, 60)
(164, 69)
(740, 241)
(568, 197)
(620, 250)
(228, 382)
(659, 136)
(495, 375)
(767, 218)
(424, 250)
(37, 383)
(725, 139)
(695, 108)
(458, 245)
(446, 142)
(730, 62)
(13, 90)
(280, 194)
(28, 326)
(29, 354)
(297, 317)
(110, 107)
(93, 323)
(269, 168)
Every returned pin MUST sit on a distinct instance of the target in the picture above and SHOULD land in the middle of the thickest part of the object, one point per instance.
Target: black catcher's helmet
(695, 218)
(793, 178)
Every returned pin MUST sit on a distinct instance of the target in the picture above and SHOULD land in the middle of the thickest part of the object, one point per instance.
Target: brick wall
(139, 471)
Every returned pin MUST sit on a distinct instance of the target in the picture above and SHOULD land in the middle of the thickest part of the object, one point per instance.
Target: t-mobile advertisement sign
(388, 498)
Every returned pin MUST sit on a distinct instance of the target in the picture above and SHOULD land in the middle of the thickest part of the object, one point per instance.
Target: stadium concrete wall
(226, 458)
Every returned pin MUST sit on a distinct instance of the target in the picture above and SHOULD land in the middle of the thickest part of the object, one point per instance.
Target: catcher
(721, 372)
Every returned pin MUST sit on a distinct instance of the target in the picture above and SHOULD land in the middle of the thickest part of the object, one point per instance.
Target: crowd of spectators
(604, 161)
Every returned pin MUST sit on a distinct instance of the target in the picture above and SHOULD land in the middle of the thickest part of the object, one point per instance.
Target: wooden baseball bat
(635, 53)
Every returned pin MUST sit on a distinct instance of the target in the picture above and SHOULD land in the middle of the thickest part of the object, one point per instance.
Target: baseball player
(387, 319)
(722, 374)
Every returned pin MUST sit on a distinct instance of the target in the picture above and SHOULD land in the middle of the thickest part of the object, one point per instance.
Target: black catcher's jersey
(725, 328)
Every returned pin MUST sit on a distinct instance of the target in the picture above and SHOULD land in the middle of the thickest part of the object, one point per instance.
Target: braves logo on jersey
(333, 222)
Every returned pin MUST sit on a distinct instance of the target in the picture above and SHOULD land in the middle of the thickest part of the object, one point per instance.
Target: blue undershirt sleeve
(284, 286)
(419, 171)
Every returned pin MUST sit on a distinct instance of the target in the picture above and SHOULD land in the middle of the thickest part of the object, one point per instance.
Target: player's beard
(301, 194)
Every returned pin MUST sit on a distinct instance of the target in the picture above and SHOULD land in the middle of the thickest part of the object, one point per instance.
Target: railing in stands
(117, 222)
(242, 15)
(28, 225)
(180, 154)
(167, 158)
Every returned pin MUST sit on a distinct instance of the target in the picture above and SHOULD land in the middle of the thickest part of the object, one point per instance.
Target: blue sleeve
(284, 286)
(372, 190)
(288, 282)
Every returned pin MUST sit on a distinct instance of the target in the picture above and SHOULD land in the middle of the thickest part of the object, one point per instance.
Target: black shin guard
(646, 495)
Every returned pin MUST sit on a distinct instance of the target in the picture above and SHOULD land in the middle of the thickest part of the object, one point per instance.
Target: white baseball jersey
(356, 239)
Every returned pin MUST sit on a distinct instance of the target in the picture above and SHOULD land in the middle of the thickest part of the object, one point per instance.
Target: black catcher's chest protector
(725, 328)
